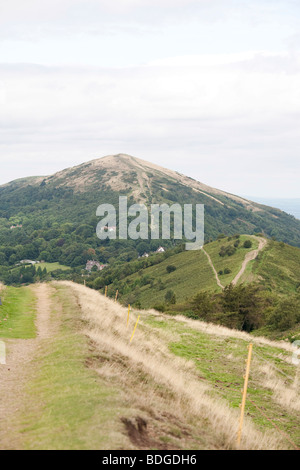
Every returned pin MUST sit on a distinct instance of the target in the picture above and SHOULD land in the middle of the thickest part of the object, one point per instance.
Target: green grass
(52, 266)
(193, 272)
(80, 410)
(221, 364)
(234, 262)
(279, 268)
(17, 313)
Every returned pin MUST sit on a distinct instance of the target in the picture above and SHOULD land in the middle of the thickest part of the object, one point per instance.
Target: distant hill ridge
(82, 188)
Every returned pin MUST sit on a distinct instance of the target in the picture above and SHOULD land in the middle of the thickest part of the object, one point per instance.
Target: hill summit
(78, 191)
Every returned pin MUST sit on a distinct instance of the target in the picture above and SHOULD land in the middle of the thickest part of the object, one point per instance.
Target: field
(53, 266)
(175, 386)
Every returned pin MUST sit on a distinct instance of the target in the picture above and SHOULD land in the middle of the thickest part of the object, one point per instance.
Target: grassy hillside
(265, 298)
(175, 386)
(278, 268)
(193, 272)
(54, 218)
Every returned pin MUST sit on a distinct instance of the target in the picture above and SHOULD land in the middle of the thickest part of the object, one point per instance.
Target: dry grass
(284, 393)
(217, 330)
(147, 369)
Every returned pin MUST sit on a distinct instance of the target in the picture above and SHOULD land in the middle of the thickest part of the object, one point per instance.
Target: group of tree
(247, 307)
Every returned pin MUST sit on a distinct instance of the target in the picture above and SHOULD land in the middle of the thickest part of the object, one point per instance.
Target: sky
(209, 88)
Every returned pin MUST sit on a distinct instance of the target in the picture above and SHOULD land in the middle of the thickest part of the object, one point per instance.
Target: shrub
(222, 235)
(170, 297)
(227, 251)
(247, 244)
(227, 271)
(170, 268)
(286, 314)
(160, 308)
(203, 304)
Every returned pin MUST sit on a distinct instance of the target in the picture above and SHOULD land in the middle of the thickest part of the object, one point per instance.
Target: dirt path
(249, 257)
(214, 270)
(18, 369)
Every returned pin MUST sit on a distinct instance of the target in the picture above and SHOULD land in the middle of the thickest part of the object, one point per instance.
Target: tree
(247, 244)
(286, 314)
(243, 307)
(203, 305)
(2, 258)
(170, 297)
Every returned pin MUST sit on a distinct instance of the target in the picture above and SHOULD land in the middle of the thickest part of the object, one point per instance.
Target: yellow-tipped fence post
(134, 328)
(244, 392)
(128, 315)
(116, 298)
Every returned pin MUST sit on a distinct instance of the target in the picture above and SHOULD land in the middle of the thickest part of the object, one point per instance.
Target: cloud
(33, 19)
(202, 86)
(231, 115)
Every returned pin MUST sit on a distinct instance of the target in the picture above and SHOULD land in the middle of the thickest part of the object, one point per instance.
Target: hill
(244, 282)
(73, 195)
(83, 385)
(53, 219)
(276, 268)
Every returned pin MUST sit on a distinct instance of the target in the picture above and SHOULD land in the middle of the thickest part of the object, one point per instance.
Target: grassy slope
(17, 313)
(87, 377)
(220, 363)
(193, 272)
(233, 262)
(278, 266)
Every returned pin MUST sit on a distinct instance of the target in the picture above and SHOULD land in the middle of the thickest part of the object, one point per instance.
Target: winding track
(251, 255)
(213, 268)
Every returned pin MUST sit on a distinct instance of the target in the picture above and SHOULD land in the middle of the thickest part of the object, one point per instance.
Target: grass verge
(76, 410)
(17, 313)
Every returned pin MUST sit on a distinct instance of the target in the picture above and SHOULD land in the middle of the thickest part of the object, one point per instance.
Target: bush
(203, 305)
(170, 297)
(222, 235)
(227, 251)
(227, 271)
(160, 308)
(171, 268)
(247, 244)
(286, 314)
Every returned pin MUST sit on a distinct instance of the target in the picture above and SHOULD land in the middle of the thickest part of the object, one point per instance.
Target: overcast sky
(210, 88)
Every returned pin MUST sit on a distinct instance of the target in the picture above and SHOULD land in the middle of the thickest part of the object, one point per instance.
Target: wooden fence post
(244, 392)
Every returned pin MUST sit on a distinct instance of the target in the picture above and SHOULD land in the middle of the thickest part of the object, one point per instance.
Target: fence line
(283, 433)
(274, 367)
